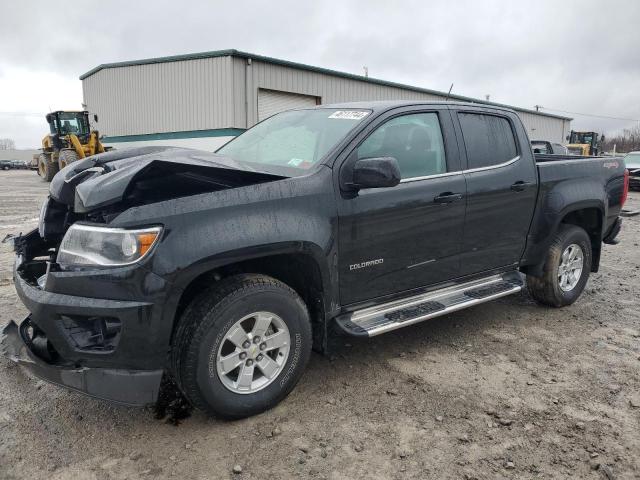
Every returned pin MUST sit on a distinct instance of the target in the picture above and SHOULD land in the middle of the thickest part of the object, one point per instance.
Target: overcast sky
(575, 56)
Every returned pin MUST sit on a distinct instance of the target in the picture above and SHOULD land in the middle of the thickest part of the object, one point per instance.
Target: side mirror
(376, 173)
(95, 117)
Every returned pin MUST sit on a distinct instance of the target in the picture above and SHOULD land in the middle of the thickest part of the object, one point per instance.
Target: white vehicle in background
(632, 162)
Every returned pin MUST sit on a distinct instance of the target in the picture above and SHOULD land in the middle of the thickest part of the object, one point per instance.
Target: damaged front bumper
(100, 332)
(127, 387)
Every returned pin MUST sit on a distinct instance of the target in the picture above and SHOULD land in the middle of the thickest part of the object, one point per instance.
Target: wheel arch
(591, 220)
(564, 197)
(588, 215)
(300, 265)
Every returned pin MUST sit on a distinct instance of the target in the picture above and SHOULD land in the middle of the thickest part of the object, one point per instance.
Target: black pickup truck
(222, 271)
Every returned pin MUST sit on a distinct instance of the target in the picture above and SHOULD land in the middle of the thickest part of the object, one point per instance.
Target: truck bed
(545, 157)
(598, 172)
(570, 179)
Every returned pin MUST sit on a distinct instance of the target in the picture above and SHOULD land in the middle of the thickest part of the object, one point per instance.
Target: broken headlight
(103, 246)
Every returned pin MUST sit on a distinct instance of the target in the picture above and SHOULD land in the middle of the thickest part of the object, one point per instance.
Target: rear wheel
(46, 169)
(66, 157)
(566, 268)
(241, 346)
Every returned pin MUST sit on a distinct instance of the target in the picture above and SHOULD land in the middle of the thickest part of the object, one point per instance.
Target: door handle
(448, 197)
(520, 186)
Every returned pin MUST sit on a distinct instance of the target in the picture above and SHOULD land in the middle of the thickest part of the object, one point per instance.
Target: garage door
(271, 102)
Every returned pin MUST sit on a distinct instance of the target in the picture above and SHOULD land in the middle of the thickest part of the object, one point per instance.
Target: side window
(488, 139)
(415, 141)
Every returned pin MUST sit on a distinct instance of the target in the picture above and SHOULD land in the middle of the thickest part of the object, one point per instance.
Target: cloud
(579, 56)
(26, 95)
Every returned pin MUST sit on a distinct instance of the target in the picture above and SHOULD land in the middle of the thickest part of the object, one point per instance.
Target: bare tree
(627, 141)
(7, 144)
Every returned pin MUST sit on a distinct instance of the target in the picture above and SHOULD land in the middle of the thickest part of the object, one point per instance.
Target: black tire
(546, 289)
(46, 169)
(66, 157)
(202, 329)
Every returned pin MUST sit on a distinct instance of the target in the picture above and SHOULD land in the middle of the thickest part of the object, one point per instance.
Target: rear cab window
(489, 139)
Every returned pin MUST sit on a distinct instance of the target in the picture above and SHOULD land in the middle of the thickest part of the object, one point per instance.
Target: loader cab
(65, 123)
(584, 143)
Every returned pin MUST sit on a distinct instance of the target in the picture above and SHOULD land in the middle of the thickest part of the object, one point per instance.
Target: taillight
(625, 188)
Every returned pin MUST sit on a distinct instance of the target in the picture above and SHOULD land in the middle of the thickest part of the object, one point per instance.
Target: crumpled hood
(158, 172)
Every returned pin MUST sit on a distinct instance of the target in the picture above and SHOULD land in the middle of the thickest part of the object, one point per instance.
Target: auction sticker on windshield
(349, 114)
(300, 163)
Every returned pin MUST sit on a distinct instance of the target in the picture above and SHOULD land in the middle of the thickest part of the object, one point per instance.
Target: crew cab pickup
(222, 271)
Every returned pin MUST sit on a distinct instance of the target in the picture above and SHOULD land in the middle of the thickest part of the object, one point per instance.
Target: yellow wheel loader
(584, 143)
(70, 139)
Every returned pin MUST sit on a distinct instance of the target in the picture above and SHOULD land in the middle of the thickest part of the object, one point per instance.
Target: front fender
(319, 256)
(208, 231)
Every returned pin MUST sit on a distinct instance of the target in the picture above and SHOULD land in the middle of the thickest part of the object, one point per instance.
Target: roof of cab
(384, 105)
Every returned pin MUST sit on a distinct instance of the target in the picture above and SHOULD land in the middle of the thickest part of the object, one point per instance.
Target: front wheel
(66, 157)
(241, 346)
(566, 268)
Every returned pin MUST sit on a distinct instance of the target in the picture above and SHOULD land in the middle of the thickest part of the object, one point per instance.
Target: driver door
(408, 236)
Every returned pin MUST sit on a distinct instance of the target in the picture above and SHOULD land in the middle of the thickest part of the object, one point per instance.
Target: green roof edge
(302, 66)
(216, 132)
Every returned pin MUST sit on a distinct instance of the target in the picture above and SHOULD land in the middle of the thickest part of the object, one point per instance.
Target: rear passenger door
(501, 178)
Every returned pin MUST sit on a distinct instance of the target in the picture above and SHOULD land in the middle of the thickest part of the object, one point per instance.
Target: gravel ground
(507, 389)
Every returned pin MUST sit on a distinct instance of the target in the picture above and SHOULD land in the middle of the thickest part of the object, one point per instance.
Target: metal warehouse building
(203, 99)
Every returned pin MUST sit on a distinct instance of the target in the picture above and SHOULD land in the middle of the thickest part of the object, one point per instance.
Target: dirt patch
(504, 390)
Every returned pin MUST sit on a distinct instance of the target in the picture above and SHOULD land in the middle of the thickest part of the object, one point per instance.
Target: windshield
(632, 160)
(578, 137)
(292, 142)
(75, 123)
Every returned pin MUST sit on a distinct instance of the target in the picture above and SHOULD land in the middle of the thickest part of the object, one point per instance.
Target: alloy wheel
(570, 268)
(253, 352)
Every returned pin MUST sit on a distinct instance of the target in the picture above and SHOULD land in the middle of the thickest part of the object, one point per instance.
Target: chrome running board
(383, 318)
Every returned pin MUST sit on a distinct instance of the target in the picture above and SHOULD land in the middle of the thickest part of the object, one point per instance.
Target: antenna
(538, 107)
(366, 72)
(449, 92)
(487, 97)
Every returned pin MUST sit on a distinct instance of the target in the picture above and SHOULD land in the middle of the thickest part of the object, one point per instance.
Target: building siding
(545, 128)
(222, 92)
(157, 98)
(328, 88)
